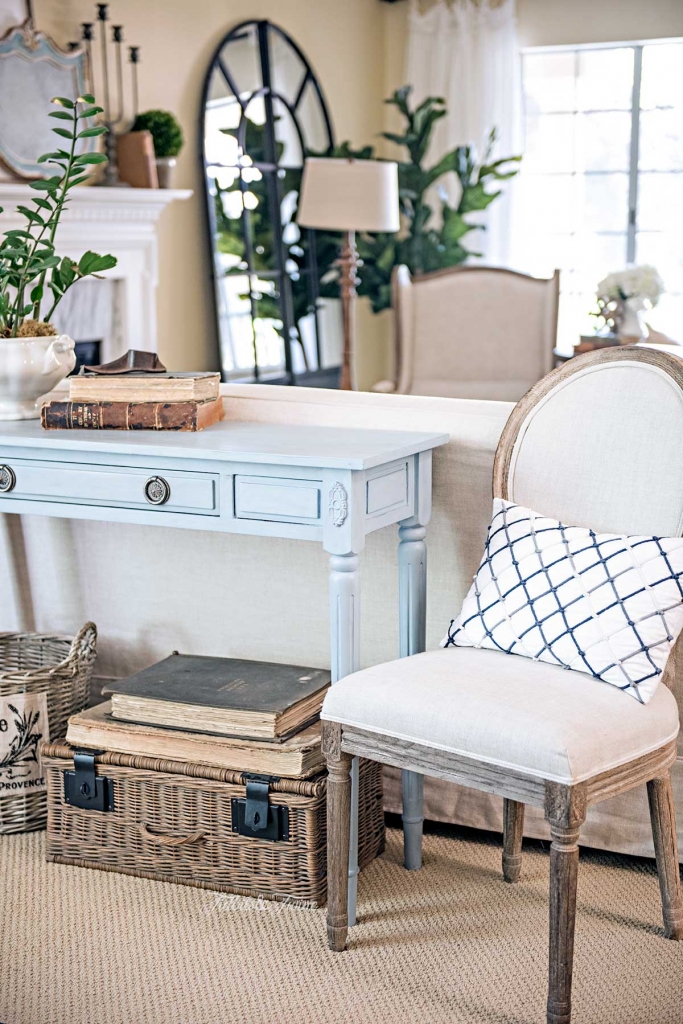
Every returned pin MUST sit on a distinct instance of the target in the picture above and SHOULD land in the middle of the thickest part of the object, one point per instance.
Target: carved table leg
(412, 590)
(663, 820)
(565, 811)
(345, 656)
(338, 829)
(513, 828)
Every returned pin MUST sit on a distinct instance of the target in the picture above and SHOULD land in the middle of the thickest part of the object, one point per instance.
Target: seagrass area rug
(452, 944)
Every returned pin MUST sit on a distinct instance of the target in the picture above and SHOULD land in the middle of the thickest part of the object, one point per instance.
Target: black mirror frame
(316, 377)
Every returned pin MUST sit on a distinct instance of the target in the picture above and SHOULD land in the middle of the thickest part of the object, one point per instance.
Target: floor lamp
(349, 196)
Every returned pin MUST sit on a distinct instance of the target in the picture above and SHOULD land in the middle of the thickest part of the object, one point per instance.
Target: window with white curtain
(602, 176)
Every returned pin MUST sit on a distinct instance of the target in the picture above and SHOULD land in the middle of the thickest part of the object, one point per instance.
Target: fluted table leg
(345, 652)
(412, 591)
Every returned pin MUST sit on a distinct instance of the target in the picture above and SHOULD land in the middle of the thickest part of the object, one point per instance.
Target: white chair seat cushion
(508, 711)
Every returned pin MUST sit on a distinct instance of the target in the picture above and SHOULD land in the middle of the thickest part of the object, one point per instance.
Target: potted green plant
(34, 279)
(168, 141)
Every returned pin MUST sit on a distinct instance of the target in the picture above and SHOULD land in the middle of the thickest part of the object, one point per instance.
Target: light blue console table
(324, 484)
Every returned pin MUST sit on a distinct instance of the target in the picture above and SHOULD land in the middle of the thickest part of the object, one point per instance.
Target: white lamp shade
(349, 195)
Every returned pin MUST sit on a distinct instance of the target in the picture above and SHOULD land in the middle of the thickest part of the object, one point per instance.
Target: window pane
(549, 81)
(660, 203)
(603, 141)
(662, 80)
(605, 79)
(663, 251)
(549, 143)
(597, 256)
(547, 203)
(661, 139)
(667, 316)
(602, 201)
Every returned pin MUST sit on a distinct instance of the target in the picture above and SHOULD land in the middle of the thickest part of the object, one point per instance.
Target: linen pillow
(604, 604)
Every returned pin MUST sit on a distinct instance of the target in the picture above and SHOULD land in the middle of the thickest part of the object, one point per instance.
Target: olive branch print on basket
(23, 749)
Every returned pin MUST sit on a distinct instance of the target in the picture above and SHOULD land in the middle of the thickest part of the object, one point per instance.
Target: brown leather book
(297, 757)
(135, 159)
(131, 415)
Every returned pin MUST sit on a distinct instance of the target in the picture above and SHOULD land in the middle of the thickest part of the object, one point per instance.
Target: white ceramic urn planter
(29, 368)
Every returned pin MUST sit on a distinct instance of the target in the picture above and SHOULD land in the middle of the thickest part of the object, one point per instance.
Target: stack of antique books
(206, 772)
(247, 716)
(137, 401)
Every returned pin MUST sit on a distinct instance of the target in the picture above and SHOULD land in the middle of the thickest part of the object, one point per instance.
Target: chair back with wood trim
(473, 332)
(599, 443)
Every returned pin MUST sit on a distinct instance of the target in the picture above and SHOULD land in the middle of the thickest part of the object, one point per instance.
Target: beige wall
(357, 48)
(343, 42)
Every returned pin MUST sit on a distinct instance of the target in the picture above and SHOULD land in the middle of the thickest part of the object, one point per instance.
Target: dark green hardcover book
(222, 696)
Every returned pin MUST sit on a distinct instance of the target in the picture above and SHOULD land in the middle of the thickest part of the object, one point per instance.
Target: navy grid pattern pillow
(604, 604)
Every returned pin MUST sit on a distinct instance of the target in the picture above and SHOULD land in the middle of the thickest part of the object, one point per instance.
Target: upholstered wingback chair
(472, 332)
(597, 443)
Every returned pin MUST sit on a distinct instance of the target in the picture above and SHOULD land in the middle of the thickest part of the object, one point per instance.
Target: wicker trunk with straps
(60, 667)
(175, 822)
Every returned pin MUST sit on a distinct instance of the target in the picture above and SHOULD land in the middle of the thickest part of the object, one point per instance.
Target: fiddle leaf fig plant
(427, 242)
(32, 275)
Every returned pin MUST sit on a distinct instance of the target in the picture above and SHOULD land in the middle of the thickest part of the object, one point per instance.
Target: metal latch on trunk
(84, 789)
(256, 816)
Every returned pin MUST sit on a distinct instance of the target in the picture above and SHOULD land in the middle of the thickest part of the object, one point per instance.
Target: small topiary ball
(166, 132)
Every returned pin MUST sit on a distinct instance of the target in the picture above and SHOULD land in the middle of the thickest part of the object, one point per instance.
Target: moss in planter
(32, 329)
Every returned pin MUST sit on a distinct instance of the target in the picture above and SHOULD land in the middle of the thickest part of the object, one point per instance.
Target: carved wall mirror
(262, 111)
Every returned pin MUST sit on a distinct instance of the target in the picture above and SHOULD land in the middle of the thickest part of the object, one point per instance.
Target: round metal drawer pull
(157, 490)
(7, 479)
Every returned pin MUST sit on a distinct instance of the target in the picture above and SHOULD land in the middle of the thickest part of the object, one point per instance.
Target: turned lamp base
(348, 280)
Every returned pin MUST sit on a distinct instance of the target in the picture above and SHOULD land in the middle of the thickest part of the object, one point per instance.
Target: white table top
(264, 443)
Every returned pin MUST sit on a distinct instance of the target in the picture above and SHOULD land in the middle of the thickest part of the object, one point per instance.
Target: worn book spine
(131, 415)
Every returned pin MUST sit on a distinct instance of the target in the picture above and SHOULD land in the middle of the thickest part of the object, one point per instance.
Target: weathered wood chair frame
(564, 805)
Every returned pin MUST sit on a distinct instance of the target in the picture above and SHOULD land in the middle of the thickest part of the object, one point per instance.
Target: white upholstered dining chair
(598, 444)
(472, 332)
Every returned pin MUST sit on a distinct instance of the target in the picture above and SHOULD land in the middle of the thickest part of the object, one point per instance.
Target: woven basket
(61, 667)
(172, 821)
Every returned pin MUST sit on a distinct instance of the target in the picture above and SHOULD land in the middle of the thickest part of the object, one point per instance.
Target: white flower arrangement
(633, 282)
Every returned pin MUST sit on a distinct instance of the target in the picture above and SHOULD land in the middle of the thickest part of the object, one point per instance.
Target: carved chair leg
(565, 811)
(663, 820)
(513, 827)
(338, 835)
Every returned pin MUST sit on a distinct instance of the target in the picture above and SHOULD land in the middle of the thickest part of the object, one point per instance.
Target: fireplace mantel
(122, 221)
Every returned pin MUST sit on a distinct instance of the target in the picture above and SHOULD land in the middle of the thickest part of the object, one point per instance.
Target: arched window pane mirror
(262, 111)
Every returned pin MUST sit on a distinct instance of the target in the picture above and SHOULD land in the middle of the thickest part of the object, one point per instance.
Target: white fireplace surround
(123, 222)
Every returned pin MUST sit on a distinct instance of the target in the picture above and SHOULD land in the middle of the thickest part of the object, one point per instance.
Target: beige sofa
(155, 590)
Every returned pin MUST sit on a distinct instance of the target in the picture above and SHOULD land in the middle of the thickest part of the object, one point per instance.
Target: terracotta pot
(29, 368)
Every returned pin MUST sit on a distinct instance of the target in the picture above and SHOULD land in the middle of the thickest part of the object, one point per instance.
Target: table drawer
(112, 486)
(277, 499)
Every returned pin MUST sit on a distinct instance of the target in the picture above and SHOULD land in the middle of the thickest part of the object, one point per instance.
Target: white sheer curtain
(466, 52)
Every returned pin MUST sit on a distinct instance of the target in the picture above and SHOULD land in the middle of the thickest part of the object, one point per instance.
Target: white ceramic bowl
(29, 368)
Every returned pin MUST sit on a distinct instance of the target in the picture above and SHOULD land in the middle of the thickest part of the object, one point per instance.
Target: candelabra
(113, 98)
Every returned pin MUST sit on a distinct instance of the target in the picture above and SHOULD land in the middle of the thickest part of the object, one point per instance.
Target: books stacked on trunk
(246, 716)
(137, 401)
